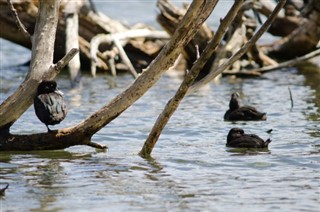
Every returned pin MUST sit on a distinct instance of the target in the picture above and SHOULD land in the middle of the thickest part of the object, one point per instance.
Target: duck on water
(242, 113)
(238, 139)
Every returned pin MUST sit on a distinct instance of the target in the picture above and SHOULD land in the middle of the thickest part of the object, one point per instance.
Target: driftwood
(258, 56)
(116, 39)
(71, 10)
(90, 23)
(81, 133)
(304, 38)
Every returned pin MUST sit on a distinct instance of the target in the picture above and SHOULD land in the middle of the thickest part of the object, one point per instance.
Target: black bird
(237, 138)
(245, 113)
(49, 105)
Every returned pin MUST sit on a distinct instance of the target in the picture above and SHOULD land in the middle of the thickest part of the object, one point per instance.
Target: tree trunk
(42, 56)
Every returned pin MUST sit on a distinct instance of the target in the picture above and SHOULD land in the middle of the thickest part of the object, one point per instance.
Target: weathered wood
(115, 39)
(72, 39)
(82, 133)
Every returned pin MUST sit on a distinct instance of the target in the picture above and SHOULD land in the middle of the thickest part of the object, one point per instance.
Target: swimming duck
(237, 138)
(49, 104)
(245, 113)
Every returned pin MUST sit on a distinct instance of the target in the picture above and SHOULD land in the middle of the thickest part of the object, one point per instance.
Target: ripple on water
(191, 168)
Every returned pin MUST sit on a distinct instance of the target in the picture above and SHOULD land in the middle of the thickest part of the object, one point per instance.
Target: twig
(18, 22)
(65, 60)
(174, 102)
(291, 99)
(242, 50)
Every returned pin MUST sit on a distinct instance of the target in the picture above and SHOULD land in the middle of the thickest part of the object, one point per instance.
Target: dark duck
(49, 105)
(243, 113)
(238, 139)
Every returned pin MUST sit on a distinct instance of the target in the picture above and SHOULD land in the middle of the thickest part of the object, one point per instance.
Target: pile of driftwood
(110, 46)
(50, 29)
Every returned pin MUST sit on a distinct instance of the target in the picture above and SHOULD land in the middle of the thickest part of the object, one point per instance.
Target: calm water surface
(191, 169)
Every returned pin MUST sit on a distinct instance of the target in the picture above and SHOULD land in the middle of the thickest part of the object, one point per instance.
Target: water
(191, 169)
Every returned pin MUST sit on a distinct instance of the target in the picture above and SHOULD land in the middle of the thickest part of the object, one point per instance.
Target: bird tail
(267, 142)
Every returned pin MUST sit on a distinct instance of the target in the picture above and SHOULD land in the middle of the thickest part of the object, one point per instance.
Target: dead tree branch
(174, 102)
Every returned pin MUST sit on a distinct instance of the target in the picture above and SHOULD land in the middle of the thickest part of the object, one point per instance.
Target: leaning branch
(174, 102)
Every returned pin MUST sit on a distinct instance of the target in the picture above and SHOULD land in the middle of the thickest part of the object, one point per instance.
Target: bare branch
(18, 22)
(65, 60)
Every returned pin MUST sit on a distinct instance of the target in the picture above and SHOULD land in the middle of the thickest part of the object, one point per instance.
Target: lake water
(191, 169)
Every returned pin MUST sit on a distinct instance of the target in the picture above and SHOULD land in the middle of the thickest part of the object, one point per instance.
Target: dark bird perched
(245, 113)
(237, 138)
(49, 105)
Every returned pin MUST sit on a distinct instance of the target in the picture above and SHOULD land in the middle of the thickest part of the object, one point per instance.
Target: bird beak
(58, 92)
